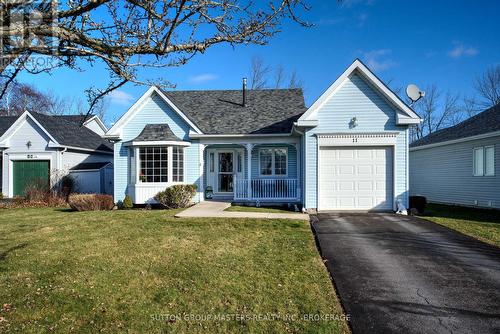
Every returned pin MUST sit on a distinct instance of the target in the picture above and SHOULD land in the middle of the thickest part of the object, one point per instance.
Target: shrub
(91, 202)
(419, 203)
(127, 203)
(37, 191)
(178, 196)
(67, 185)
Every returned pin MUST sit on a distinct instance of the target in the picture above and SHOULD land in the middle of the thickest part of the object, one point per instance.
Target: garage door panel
(356, 178)
(365, 185)
(367, 170)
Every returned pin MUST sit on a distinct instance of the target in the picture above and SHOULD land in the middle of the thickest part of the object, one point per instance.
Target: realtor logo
(26, 24)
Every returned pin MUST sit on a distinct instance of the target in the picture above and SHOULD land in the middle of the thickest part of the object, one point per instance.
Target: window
(212, 162)
(266, 161)
(177, 164)
(484, 161)
(154, 164)
(273, 161)
(280, 161)
(489, 160)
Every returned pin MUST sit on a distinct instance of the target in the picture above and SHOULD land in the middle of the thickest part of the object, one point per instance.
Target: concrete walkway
(216, 210)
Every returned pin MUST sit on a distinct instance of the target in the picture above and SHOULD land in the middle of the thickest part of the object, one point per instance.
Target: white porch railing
(266, 189)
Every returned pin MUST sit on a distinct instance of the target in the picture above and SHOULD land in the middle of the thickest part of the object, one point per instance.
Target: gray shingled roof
(90, 165)
(72, 134)
(6, 122)
(75, 118)
(157, 132)
(221, 111)
(487, 121)
(66, 130)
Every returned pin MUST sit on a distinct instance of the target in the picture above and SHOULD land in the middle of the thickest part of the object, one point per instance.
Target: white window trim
(170, 167)
(483, 172)
(273, 167)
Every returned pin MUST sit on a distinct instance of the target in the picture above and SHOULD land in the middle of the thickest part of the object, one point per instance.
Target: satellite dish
(414, 93)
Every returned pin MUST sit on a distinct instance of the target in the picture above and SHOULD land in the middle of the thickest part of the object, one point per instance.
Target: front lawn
(266, 209)
(146, 271)
(481, 224)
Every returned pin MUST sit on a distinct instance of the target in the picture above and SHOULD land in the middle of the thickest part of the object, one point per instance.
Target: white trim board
(99, 122)
(17, 124)
(115, 131)
(359, 67)
(157, 143)
(456, 141)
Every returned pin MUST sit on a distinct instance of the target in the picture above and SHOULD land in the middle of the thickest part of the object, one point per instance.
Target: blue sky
(447, 43)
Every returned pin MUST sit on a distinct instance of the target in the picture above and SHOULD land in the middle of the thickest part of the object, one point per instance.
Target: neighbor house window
(484, 161)
(154, 164)
(273, 161)
(178, 164)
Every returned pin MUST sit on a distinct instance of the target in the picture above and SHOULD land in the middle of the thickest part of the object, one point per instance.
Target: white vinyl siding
(445, 174)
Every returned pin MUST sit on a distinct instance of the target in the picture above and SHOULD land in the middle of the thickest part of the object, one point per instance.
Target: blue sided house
(348, 151)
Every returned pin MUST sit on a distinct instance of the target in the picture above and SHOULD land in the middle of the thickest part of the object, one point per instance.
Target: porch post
(249, 170)
(201, 154)
(299, 170)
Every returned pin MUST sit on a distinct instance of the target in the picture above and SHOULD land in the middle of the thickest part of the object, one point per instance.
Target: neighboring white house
(34, 146)
(348, 151)
(460, 164)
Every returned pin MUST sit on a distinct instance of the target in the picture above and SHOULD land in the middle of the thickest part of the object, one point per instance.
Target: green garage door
(29, 172)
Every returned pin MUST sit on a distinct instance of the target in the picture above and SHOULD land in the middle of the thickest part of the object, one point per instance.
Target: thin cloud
(378, 60)
(120, 97)
(330, 21)
(362, 18)
(202, 78)
(460, 50)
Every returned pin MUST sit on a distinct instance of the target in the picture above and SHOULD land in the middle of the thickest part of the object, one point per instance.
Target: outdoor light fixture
(353, 123)
(28, 144)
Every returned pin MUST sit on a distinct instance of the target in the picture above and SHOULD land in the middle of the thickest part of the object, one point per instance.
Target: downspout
(302, 163)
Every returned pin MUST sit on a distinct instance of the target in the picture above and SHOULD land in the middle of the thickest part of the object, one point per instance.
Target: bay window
(161, 164)
(178, 164)
(273, 161)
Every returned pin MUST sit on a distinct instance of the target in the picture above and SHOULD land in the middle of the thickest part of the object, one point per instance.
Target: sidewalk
(216, 210)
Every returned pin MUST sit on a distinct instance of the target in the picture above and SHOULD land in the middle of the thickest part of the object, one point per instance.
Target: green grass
(481, 224)
(270, 209)
(124, 271)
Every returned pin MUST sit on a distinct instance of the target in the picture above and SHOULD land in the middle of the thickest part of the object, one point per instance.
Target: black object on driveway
(401, 274)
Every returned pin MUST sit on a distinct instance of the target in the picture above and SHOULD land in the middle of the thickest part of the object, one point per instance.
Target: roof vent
(244, 92)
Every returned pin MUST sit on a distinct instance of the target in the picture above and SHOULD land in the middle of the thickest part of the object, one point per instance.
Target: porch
(252, 172)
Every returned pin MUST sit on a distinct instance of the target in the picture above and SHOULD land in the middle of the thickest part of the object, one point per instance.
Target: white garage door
(358, 178)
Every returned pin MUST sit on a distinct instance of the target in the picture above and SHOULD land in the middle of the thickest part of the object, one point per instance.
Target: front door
(225, 172)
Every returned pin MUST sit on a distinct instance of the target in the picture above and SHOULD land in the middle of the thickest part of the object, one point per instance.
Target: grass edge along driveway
(482, 224)
(136, 271)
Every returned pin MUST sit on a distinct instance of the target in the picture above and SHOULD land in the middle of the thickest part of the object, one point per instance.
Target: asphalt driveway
(400, 274)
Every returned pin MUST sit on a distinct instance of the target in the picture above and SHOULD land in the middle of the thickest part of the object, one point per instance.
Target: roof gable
(405, 114)
(116, 129)
(61, 132)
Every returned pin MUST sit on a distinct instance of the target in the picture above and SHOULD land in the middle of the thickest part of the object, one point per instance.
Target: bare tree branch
(488, 86)
(130, 34)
